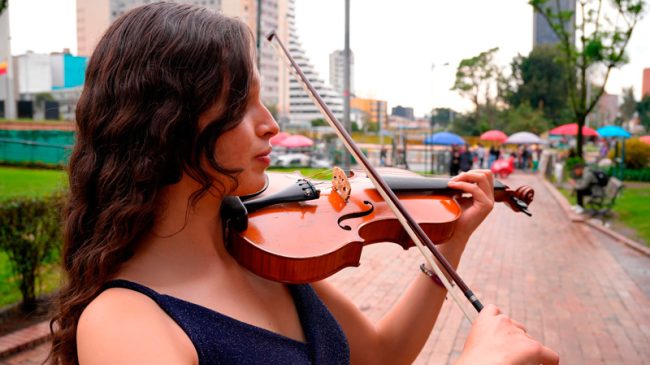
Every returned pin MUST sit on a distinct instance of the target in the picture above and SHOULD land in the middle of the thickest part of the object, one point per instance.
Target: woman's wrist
(453, 250)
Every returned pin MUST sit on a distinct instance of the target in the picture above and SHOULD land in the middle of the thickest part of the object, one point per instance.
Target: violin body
(309, 240)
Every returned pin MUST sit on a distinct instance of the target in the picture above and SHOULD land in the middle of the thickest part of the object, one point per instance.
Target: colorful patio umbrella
(571, 129)
(278, 138)
(524, 138)
(645, 139)
(444, 138)
(610, 131)
(494, 135)
(296, 140)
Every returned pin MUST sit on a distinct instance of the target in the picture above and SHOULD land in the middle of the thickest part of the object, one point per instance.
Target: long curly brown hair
(153, 73)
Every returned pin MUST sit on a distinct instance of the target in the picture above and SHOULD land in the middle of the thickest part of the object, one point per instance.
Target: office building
(542, 31)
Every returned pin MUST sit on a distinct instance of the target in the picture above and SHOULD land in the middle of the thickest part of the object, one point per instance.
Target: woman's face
(247, 147)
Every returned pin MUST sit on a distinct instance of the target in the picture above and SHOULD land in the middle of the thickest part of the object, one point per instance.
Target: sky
(406, 51)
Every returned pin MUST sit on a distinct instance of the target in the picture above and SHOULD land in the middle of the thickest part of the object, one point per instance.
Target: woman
(170, 122)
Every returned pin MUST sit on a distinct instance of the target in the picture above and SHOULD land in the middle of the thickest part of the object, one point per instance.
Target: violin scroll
(518, 200)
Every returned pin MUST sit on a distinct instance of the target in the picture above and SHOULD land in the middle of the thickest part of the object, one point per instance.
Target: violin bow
(412, 228)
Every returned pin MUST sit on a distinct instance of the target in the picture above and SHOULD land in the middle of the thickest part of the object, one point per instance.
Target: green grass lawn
(318, 174)
(632, 209)
(15, 181)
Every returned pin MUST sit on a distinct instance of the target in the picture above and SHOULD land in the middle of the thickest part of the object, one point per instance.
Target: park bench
(601, 205)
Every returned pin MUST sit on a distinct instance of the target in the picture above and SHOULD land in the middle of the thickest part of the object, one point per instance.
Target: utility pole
(346, 83)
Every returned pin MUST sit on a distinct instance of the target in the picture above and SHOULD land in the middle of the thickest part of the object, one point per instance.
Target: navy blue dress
(219, 339)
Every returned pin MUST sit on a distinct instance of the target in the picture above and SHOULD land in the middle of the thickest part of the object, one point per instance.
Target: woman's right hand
(496, 339)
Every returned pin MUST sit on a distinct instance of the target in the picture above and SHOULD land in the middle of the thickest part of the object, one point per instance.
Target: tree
(600, 47)
(320, 122)
(467, 124)
(3, 5)
(643, 108)
(442, 116)
(539, 81)
(629, 104)
(524, 118)
(476, 77)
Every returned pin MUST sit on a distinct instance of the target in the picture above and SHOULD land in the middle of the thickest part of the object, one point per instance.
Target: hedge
(30, 234)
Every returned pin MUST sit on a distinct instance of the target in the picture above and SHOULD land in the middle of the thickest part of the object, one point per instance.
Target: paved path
(571, 286)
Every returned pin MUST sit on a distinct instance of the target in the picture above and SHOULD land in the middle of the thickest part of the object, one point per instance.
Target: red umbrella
(296, 140)
(494, 135)
(275, 140)
(571, 129)
(645, 139)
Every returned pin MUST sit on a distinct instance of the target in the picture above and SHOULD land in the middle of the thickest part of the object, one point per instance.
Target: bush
(30, 234)
(637, 154)
(631, 174)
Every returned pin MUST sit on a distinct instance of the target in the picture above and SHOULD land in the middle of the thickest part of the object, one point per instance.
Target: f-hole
(356, 215)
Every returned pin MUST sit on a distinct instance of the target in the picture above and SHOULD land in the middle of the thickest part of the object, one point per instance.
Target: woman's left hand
(480, 184)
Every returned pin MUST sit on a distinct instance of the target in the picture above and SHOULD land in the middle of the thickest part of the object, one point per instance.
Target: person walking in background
(493, 156)
(466, 159)
(480, 154)
(454, 161)
(525, 157)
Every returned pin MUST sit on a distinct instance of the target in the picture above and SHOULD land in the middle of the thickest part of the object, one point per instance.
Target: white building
(34, 73)
(337, 71)
(302, 109)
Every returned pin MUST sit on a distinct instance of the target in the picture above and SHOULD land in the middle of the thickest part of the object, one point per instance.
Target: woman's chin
(251, 185)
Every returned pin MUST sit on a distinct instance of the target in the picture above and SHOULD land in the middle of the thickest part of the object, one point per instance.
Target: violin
(295, 232)
(412, 229)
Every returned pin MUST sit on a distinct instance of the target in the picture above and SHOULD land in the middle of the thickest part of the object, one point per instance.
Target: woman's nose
(269, 125)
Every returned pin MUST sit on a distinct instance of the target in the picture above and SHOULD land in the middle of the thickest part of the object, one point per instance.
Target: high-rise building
(302, 108)
(645, 88)
(542, 31)
(337, 71)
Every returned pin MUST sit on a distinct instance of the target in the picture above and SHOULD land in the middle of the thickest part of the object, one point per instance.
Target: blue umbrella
(444, 138)
(613, 131)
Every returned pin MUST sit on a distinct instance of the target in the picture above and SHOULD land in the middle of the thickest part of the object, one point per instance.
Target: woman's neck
(186, 241)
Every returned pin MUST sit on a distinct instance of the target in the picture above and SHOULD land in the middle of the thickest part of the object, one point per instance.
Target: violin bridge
(340, 183)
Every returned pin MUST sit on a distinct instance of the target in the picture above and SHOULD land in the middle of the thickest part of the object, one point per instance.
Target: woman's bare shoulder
(122, 326)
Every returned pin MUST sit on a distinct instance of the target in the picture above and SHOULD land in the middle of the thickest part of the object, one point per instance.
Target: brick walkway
(555, 276)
